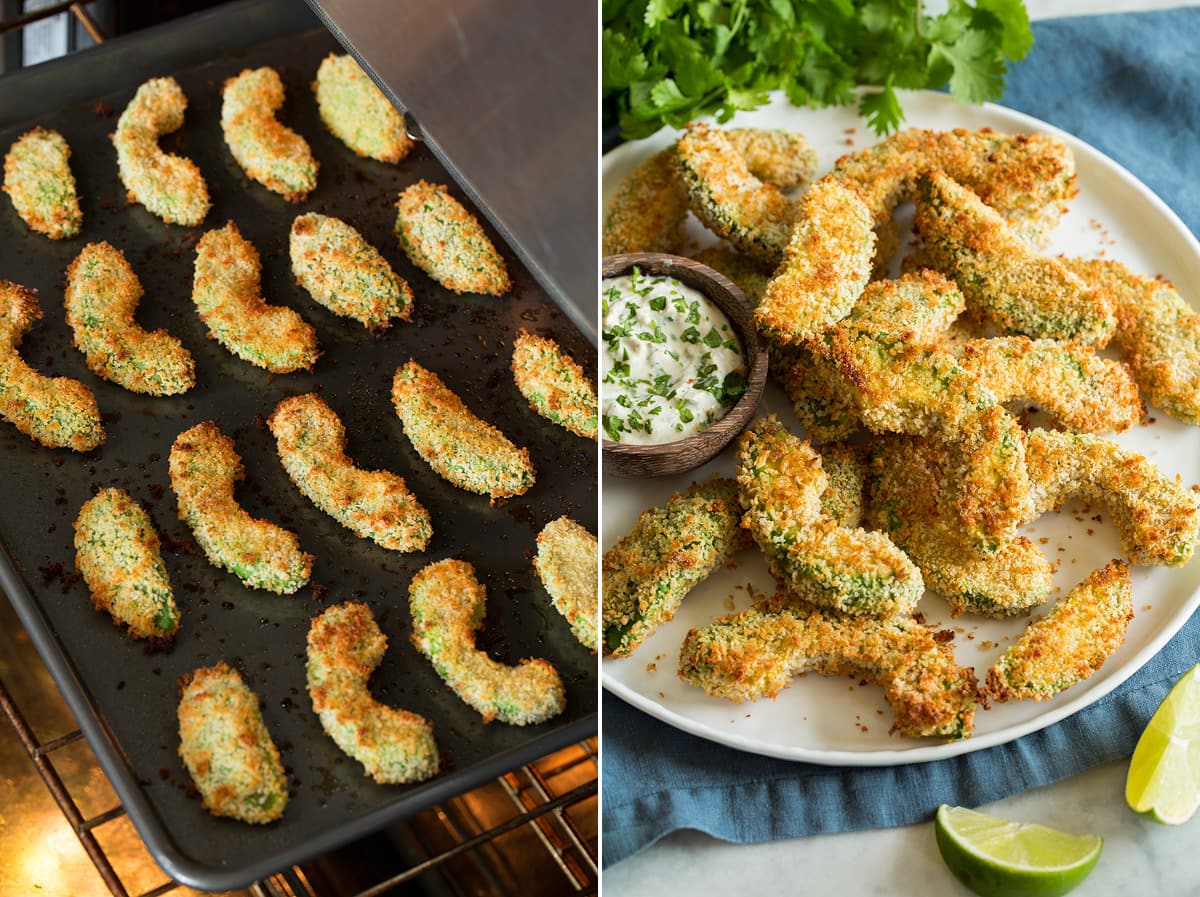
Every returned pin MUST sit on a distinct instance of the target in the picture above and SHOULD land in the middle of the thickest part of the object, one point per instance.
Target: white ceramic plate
(835, 720)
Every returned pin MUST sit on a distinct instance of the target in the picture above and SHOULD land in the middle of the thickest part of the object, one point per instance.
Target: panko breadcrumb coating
(448, 606)
(117, 553)
(101, 299)
(374, 504)
(345, 273)
(779, 157)
(447, 242)
(1078, 389)
(748, 274)
(671, 549)
(912, 488)
(268, 151)
(226, 747)
(169, 186)
(822, 399)
(1158, 334)
(568, 563)
(227, 292)
(38, 180)
(782, 484)
(845, 469)
(204, 466)
(648, 210)
(461, 448)
(753, 215)
(826, 265)
(357, 112)
(1157, 517)
(1068, 644)
(344, 646)
(57, 412)
(755, 654)
(1005, 282)
(555, 385)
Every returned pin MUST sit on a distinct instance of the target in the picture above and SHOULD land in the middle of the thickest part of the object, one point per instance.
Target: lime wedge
(997, 858)
(1164, 773)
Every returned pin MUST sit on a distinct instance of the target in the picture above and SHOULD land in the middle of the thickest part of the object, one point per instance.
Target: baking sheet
(124, 695)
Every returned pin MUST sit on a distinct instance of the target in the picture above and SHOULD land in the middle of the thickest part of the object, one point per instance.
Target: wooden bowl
(692, 451)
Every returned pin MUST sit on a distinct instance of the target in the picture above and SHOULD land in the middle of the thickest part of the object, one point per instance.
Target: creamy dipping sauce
(672, 365)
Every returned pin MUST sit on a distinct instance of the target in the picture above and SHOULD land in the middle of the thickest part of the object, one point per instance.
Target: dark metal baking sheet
(125, 696)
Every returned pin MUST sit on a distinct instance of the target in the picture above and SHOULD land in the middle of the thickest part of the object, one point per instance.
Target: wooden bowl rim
(698, 448)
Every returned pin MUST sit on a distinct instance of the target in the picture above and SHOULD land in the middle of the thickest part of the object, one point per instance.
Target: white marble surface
(1139, 856)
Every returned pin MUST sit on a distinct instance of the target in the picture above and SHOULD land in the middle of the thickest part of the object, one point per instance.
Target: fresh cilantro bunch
(667, 61)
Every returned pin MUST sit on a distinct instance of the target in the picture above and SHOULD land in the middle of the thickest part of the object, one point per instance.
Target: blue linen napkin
(1129, 85)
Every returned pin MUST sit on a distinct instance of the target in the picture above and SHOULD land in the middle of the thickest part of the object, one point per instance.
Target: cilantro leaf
(881, 110)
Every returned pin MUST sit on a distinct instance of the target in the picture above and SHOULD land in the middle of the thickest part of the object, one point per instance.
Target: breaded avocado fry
(1157, 518)
(345, 273)
(555, 385)
(58, 412)
(1004, 281)
(374, 504)
(101, 299)
(649, 209)
(912, 490)
(822, 399)
(461, 448)
(826, 265)
(226, 747)
(779, 157)
(1068, 644)
(568, 563)
(357, 112)
(448, 606)
(38, 180)
(204, 466)
(1158, 334)
(344, 646)
(728, 198)
(447, 242)
(671, 549)
(116, 551)
(268, 151)
(169, 186)
(749, 275)
(227, 292)
(755, 653)
(782, 487)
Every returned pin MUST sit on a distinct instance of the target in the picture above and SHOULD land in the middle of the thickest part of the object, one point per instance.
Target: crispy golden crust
(227, 292)
(648, 210)
(466, 451)
(823, 400)
(748, 274)
(448, 605)
(268, 151)
(1157, 517)
(912, 489)
(752, 215)
(57, 412)
(227, 749)
(345, 273)
(568, 563)
(169, 186)
(38, 180)
(101, 300)
(1068, 644)
(826, 265)
(204, 466)
(779, 157)
(447, 242)
(670, 550)
(357, 112)
(555, 385)
(755, 653)
(845, 468)
(374, 504)
(782, 485)
(1158, 334)
(905, 382)
(1078, 389)
(344, 646)
(1005, 282)
(116, 551)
